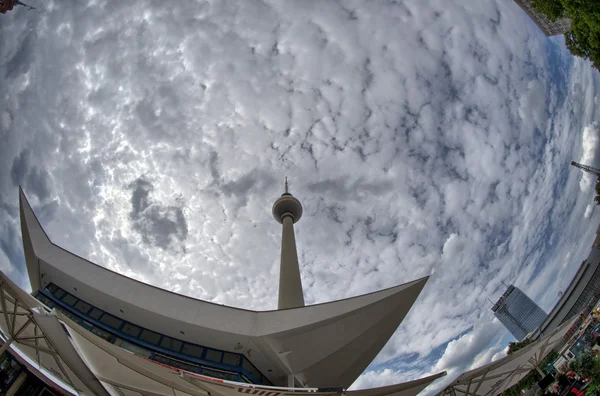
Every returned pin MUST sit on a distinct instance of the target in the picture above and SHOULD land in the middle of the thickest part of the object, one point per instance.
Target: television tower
(287, 210)
(586, 168)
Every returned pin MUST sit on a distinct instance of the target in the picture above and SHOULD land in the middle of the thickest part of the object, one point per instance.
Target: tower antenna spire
(586, 168)
(25, 5)
(286, 186)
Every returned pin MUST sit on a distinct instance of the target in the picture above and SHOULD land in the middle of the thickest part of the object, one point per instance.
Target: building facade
(518, 313)
(580, 296)
(550, 28)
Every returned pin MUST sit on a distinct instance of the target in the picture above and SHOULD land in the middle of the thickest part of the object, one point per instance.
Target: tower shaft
(290, 283)
(586, 168)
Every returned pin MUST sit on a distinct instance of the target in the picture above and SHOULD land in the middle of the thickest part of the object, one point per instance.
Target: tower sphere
(287, 204)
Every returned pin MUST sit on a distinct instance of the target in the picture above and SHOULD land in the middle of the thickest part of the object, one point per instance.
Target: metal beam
(3, 303)
(23, 327)
(39, 348)
(35, 337)
(14, 318)
(480, 382)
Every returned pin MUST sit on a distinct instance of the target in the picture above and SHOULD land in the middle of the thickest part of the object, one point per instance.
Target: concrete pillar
(290, 283)
(6, 345)
(540, 372)
(14, 388)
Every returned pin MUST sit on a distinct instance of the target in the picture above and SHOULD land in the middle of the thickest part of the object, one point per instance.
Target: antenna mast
(586, 168)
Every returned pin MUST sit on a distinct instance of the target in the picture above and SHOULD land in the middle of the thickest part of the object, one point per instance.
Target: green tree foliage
(597, 198)
(583, 39)
(552, 8)
(515, 346)
(587, 365)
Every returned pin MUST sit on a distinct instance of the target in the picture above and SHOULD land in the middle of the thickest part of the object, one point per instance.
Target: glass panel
(130, 329)
(249, 367)
(213, 355)
(150, 336)
(46, 301)
(69, 299)
(82, 307)
(101, 333)
(169, 343)
(132, 347)
(111, 321)
(69, 315)
(58, 293)
(231, 358)
(51, 287)
(96, 313)
(87, 325)
(192, 350)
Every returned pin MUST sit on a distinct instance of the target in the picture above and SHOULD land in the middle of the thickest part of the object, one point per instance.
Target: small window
(130, 329)
(58, 293)
(82, 307)
(214, 356)
(169, 343)
(132, 347)
(192, 350)
(96, 313)
(150, 336)
(110, 320)
(69, 299)
(101, 333)
(46, 301)
(231, 358)
(51, 287)
(74, 318)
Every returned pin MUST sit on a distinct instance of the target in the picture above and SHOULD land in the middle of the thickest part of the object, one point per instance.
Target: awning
(28, 326)
(496, 377)
(131, 374)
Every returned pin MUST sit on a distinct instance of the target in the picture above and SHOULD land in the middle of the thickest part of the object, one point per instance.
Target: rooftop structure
(580, 297)
(518, 313)
(114, 323)
(550, 28)
(498, 376)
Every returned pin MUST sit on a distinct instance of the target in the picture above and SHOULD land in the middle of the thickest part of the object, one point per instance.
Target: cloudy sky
(422, 137)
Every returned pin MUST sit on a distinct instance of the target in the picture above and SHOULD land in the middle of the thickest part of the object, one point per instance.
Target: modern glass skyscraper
(518, 313)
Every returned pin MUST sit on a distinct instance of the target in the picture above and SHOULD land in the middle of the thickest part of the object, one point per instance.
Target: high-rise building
(560, 26)
(518, 313)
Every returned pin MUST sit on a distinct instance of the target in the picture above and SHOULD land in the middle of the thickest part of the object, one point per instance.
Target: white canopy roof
(37, 334)
(89, 365)
(323, 345)
(496, 377)
(135, 375)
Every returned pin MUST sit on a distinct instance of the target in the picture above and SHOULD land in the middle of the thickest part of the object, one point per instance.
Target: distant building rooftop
(550, 28)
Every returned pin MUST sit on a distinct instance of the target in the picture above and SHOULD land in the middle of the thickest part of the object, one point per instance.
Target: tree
(587, 365)
(583, 39)
(515, 346)
(552, 8)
